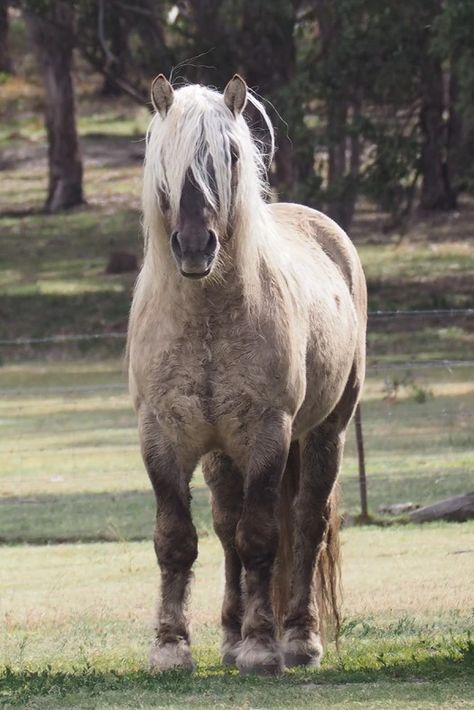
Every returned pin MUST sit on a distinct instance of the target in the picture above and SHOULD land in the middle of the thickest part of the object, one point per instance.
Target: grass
(71, 468)
(79, 636)
(52, 267)
(76, 619)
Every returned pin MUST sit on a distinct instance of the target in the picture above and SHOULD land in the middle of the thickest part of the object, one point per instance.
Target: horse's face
(194, 238)
(194, 222)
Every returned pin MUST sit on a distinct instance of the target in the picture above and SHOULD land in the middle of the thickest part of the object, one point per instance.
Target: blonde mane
(199, 130)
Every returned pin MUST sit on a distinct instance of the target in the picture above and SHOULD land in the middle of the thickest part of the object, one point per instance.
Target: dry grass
(83, 628)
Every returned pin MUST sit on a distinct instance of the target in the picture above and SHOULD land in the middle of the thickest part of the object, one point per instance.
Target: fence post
(361, 457)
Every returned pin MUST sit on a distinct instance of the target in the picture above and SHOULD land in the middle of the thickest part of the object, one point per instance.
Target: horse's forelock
(197, 138)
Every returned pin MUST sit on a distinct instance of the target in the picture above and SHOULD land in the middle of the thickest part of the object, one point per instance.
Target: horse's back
(344, 333)
(332, 239)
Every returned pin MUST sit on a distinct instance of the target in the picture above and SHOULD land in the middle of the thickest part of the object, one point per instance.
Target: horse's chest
(206, 387)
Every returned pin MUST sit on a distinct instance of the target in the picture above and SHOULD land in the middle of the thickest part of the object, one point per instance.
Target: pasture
(77, 616)
(78, 635)
(71, 468)
(78, 577)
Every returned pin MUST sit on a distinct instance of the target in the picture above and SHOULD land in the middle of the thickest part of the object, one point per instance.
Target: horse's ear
(162, 94)
(235, 95)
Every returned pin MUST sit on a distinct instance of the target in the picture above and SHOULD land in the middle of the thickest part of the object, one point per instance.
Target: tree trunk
(266, 48)
(436, 190)
(342, 108)
(5, 60)
(117, 54)
(336, 128)
(460, 141)
(343, 160)
(52, 34)
(457, 509)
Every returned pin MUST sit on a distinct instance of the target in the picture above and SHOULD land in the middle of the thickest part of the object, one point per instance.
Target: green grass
(78, 637)
(71, 468)
(76, 619)
(52, 267)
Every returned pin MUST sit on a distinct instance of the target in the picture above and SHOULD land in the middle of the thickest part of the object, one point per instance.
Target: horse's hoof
(306, 652)
(259, 657)
(229, 658)
(166, 656)
(231, 644)
(293, 660)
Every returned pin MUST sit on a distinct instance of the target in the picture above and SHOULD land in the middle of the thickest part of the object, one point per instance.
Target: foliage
(349, 79)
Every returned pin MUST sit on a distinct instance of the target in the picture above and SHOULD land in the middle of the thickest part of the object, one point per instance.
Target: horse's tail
(284, 559)
(328, 572)
(328, 568)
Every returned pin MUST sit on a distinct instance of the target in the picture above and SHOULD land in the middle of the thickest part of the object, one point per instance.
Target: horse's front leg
(257, 543)
(225, 482)
(175, 543)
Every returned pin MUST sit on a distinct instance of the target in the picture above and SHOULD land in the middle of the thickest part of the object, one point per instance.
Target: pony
(246, 351)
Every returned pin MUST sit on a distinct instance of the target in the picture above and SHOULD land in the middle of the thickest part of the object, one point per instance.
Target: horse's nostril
(211, 243)
(175, 245)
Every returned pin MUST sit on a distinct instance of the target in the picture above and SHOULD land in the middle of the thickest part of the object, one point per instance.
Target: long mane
(199, 128)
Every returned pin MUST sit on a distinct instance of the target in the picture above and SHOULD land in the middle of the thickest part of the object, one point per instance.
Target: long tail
(328, 572)
(327, 581)
(283, 565)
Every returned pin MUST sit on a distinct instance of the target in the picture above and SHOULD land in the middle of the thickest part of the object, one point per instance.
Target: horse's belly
(322, 395)
(328, 365)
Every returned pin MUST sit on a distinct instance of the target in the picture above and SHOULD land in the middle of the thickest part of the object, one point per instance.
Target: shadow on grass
(50, 314)
(129, 515)
(89, 517)
(451, 291)
(437, 661)
(22, 212)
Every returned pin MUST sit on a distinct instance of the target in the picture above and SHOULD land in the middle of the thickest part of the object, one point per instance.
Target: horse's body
(256, 369)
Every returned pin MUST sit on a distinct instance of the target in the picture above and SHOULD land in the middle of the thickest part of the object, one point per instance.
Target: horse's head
(194, 156)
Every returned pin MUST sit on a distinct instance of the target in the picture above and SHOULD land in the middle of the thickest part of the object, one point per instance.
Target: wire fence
(70, 432)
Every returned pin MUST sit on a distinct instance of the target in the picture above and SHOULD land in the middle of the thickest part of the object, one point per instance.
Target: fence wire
(112, 335)
(55, 433)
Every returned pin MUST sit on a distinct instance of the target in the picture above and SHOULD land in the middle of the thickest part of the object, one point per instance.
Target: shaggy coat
(247, 352)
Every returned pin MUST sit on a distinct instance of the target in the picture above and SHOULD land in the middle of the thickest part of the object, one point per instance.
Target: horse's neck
(184, 299)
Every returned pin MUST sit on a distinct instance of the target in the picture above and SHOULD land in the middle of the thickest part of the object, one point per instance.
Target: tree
(453, 45)
(51, 27)
(5, 60)
(436, 191)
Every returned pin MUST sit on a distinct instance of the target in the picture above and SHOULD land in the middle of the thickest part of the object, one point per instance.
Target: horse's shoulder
(330, 237)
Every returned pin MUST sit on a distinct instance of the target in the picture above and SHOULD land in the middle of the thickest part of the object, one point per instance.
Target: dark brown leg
(321, 453)
(175, 545)
(226, 484)
(257, 543)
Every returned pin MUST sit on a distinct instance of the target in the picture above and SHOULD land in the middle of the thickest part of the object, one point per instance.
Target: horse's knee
(257, 542)
(176, 547)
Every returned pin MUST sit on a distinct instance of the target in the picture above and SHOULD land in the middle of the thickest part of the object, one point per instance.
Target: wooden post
(361, 457)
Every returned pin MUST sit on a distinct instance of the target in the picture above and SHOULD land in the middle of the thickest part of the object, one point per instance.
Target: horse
(246, 351)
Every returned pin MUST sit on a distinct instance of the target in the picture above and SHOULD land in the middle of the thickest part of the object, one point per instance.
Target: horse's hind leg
(225, 482)
(321, 452)
(316, 531)
(175, 544)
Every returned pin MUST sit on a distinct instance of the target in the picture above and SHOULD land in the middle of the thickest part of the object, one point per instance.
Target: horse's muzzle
(194, 258)
(196, 274)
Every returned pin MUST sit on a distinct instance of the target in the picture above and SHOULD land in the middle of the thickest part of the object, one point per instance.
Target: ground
(78, 577)
(71, 467)
(405, 642)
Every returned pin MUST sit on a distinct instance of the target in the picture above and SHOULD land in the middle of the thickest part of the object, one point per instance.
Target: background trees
(377, 98)
(51, 27)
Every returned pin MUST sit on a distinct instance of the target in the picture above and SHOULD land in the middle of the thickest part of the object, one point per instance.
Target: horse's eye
(164, 202)
(234, 155)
